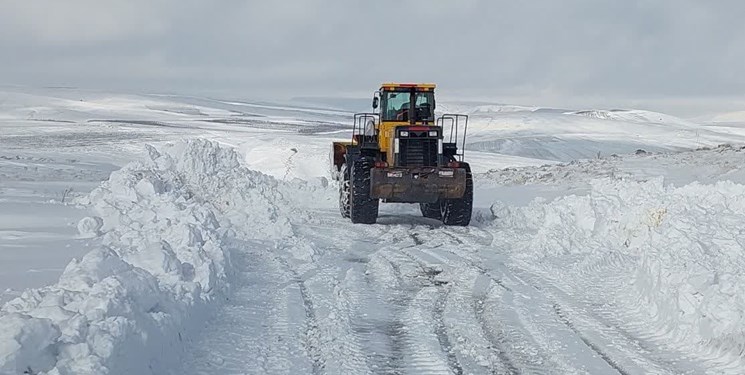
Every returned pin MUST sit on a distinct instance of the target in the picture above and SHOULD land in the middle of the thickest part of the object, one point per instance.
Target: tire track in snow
(333, 340)
(354, 323)
(418, 297)
(442, 334)
(599, 332)
(258, 330)
(490, 294)
(311, 322)
(377, 325)
(468, 259)
(503, 363)
(497, 342)
(457, 265)
(398, 339)
(369, 290)
(440, 329)
(611, 362)
(617, 268)
(412, 344)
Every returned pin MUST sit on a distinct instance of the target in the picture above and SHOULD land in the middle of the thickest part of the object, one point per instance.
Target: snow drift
(637, 116)
(674, 254)
(162, 257)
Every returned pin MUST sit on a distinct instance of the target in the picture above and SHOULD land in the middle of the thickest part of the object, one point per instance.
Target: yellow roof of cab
(392, 85)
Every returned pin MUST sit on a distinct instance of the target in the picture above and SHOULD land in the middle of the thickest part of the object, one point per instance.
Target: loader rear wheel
(363, 208)
(344, 191)
(458, 211)
(431, 210)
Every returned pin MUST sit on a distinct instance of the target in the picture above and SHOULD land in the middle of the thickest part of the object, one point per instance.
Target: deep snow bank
(162, 258)
(681, 252)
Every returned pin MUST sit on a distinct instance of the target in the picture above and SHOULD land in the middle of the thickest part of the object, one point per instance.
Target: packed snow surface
(207, 240)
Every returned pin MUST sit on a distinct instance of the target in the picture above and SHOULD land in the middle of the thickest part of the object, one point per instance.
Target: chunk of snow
(27, 343)
(90, 226)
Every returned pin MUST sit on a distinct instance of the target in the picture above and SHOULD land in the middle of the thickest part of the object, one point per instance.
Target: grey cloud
(544, 51)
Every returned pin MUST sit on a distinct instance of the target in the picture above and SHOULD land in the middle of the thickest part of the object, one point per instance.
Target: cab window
(395, 105)
(425, 106)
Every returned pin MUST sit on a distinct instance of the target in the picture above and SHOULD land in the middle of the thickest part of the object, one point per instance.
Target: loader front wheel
(344, 191)
(363, 208)
(458, 211)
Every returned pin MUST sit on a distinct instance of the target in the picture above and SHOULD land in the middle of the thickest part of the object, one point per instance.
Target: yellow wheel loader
(402, 153)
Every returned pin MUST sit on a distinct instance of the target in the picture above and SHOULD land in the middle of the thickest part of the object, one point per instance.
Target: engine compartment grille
(417, 152)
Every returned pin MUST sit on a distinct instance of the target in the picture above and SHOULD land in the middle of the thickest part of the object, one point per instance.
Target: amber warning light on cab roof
(393, 85)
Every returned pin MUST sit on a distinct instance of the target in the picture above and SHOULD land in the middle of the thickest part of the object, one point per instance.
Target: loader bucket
(338, 149)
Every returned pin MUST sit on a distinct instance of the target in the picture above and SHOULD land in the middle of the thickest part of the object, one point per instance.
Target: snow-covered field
(163, 234)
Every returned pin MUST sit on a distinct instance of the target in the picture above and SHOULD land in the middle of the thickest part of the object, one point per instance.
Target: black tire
(458, 211)
(363, 209)
(431, 210)
(344, 191)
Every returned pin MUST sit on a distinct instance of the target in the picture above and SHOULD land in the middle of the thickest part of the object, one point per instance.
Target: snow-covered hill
(638, 116)
(207, 239)
(560, 135)
(729, 117)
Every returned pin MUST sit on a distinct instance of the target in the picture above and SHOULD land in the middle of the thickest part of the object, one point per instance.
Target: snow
(559, 135)
(37, 214)
(637, 116)
(90, 226)
(160, 263)
(704, 165)
(60, 144)
(729, 117)
(202, 236)
(676, 259)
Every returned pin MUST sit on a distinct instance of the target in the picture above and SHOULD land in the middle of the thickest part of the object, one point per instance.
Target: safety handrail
(455, 121)
(360, 119)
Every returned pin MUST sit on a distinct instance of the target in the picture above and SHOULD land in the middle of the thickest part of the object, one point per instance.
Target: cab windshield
(395, 105)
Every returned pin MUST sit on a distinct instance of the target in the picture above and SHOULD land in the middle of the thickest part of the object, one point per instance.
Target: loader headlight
(404, 133)
(433, 133)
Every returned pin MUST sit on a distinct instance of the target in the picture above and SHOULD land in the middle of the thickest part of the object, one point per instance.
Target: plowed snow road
(407, 296)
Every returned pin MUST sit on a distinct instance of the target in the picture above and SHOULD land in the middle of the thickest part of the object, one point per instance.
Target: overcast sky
(668, 54)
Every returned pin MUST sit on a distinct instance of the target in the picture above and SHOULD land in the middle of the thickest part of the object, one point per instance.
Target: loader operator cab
(396, 105)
